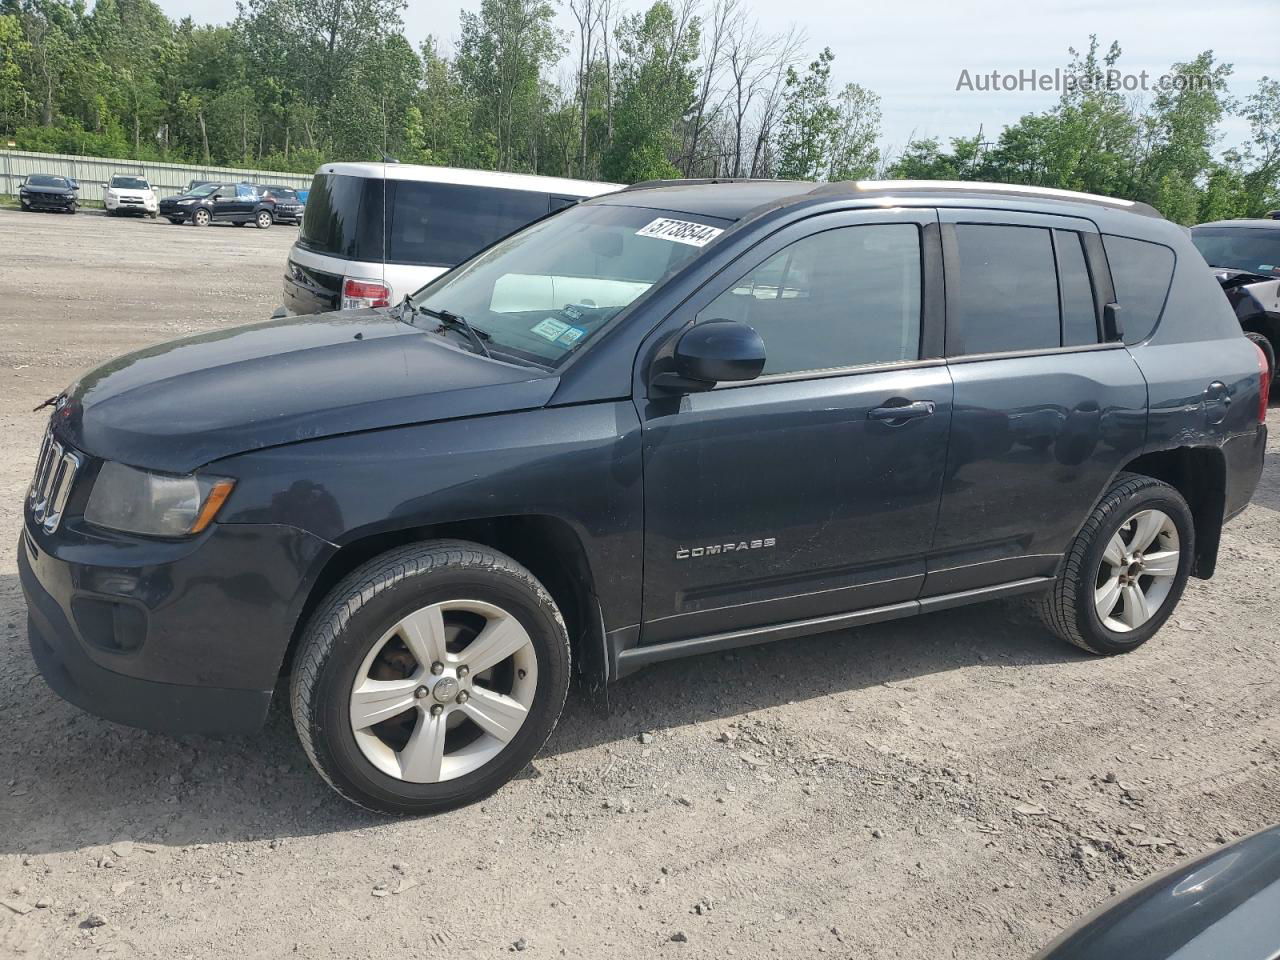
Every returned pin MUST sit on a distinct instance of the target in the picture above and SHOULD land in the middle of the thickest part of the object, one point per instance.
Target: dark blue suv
(671, 420)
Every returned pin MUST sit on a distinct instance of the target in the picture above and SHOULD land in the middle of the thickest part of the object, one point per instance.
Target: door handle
(907, 411)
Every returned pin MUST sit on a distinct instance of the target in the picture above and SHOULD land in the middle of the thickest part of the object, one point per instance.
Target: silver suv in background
(374, 232)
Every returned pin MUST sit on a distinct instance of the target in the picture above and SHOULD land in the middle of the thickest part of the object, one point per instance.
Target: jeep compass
(674, 419)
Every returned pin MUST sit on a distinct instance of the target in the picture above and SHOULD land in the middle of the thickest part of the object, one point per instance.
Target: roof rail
(978, 186)
(697, 181)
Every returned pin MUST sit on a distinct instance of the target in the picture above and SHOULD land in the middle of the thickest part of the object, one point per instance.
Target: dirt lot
(955, 785)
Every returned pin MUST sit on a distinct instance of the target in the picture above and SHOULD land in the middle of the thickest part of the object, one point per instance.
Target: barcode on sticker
(680, 231)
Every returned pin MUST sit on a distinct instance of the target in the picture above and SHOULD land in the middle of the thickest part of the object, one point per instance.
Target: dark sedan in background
(45, 191)
(289, 207)
(1245, 258)
(235, 203)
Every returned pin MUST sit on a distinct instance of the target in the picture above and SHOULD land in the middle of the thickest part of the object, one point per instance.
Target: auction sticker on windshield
(680, 231)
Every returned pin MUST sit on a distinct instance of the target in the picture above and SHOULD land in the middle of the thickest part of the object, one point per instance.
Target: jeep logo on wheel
(715, 549)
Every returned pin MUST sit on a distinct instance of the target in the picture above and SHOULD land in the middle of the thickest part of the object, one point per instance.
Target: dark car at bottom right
(666, 421)
(1245, 258)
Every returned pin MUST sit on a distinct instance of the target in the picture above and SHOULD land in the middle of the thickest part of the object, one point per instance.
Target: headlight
(154, 504)
(183, 203)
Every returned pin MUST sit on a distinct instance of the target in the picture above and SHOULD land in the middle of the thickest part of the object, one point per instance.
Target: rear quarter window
(1141, 272)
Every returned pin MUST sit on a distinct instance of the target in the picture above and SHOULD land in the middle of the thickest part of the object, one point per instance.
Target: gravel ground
(957, 785)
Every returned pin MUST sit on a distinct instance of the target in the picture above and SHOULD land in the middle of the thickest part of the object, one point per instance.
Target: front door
(805, 492)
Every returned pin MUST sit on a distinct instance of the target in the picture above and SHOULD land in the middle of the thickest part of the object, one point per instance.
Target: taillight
(1264, 383)
(357, 294)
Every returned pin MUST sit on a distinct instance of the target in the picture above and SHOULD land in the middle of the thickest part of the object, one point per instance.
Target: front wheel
(200, 218)
(264, 219)
(429, 677)
(1125, 570)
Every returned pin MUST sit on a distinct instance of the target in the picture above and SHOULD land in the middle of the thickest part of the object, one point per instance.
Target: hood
(57, 191)
(180, 405)
(182, 196)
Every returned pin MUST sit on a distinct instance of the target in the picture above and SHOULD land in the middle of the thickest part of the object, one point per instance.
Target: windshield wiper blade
(453, 321)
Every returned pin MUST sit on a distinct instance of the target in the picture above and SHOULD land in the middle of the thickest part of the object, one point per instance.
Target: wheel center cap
(1135, 568)
(446, 689)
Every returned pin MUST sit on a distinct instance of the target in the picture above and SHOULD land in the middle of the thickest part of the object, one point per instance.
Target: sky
(914, 57)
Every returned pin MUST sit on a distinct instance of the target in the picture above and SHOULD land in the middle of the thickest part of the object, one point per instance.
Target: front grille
(55, 473)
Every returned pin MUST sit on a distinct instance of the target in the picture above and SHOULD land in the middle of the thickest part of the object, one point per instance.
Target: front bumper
(176, 637)
(40, 201)
(175, 212)
(112, 204)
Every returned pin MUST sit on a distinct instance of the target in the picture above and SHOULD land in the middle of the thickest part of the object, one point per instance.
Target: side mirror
(717, 351)
(1112, 327)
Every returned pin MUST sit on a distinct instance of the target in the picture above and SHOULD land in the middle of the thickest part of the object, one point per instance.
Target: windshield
(1256, 249)
(40, 180)
(544, 292)
(130, 183)
(203, 190)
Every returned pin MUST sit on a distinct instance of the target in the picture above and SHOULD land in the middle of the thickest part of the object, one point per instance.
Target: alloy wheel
(444, 691)
(1137, 572)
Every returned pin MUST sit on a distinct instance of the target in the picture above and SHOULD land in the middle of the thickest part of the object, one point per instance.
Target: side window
(844, 297)
(1079, 315)
(1007, 292)
(246, 192)
(1141, 273)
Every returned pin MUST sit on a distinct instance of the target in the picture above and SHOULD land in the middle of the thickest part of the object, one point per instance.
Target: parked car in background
(289, 208)
(47, 191)
(129, 194)
(663, 422)
(1222, 905)
(374, 232)
(1245, 257)
(234, 203)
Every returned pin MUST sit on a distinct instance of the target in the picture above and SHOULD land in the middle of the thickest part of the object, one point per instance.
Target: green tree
(809, 121)
(655, 82)
(501, 55)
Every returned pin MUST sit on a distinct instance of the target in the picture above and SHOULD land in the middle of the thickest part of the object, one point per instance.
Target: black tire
(263, 219)
(1068, 609)
(361, 609)
(200, 218)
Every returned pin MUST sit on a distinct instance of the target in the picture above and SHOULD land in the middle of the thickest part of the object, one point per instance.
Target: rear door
(1048, 405)
(801, 494)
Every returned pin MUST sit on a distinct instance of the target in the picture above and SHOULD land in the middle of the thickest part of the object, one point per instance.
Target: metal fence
(93, 172)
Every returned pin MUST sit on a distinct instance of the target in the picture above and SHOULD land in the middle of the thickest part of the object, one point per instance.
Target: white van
(374, 232)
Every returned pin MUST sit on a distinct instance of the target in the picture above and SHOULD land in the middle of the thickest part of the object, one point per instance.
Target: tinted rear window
(1141, 272)
(1256, 249)
(344, 217)
(412, 222)
(1007, 291)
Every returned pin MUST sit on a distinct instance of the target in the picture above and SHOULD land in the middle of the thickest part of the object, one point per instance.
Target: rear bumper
(1244, 457)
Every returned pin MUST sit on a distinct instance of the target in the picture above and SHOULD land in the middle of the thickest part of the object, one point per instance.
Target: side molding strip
(629, 661)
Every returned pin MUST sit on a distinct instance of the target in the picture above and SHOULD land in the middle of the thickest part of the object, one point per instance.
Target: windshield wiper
(453, 321)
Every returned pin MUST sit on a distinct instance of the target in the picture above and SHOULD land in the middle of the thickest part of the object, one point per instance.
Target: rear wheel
(1126, 568)
(263, 219)
(200, 218)
(429, 677)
